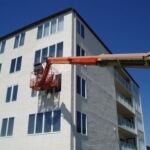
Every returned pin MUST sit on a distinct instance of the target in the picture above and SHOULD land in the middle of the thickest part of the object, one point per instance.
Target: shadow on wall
(48, 101)
(51, 101)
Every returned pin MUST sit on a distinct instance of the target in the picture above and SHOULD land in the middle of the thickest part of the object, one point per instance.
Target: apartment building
(95, 108)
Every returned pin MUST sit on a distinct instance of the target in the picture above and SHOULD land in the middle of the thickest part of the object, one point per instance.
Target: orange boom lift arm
(45, 79)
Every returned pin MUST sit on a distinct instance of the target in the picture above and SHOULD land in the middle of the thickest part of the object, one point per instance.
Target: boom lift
(43, 77)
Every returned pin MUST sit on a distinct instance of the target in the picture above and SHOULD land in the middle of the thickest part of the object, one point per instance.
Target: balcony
(126, 102)
(127, 146)
(126, 124)
(122, 81)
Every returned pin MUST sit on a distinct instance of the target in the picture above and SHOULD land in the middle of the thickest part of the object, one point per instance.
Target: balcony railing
(127, 146)
(125, 101)
(126, 123)
(125, 83)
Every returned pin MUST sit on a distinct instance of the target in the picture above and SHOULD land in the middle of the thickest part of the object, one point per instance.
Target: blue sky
(123, 25)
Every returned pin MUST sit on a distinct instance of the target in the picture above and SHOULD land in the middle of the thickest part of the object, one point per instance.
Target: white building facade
(95, 108)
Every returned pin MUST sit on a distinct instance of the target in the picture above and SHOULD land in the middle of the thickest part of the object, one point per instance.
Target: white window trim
(19, 40)
(81, 78)
(8, 120)
(50, 25)
(43, 123)
(82, 124)
(12, 91)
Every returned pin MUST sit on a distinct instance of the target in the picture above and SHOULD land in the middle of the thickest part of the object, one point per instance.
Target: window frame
(0, 67)
(8, 128)
(39, 58)
(41, 27)
(80, 28)
(80, 123)
(20, 41)
(14, 67)
(80, 85)
(10, 98)
(2, 46)
(43, 129)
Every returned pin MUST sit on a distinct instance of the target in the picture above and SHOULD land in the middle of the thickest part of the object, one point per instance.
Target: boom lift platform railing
(44, 78)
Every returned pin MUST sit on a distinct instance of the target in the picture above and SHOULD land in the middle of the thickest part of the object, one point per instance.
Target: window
(44, 122)
(2, 46)
(46, 29)
(81, 86)
(48, 122)
(31, 124)
(80, 29)
(51, 27)
(80, 51)
(51, 51)
(15, 64)
(60, 23)
(78, 26)
(39, 122)
(0, 67)
(12, 93)
(81, 123)
(7, 126)
(33, 93)
(56, 120)
(59, 51)
(39, 33)
(19, 40)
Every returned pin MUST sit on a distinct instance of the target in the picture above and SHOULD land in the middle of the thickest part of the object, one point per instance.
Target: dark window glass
(48, 122)
(83, 123)
(16, 41)
(82, 31)
(22, 37)
(56, 120)
(44, 54)
(0, 67)
(15, 91)
(78, 122)
(52, 51)
(8, 96)
(78, 50)
(33, 93)
(19, 60)
(37, 56)
(12, 67)
(60, 23)
(59, 49)
(39, 123)
(46, 29)
(78, 26)
(83, 88)
(82, 52)
(2, 46)
(78, 85)
(31, 124)
(53, 26)
(4, 127)
(39, 33)
(10, 127)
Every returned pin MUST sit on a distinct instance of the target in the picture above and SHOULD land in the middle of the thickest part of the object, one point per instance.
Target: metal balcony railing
(127, 146)
(125, 83)
(125, 101)
(126, 123)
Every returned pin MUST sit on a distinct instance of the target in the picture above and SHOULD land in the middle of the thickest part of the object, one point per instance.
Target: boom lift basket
(52, 81)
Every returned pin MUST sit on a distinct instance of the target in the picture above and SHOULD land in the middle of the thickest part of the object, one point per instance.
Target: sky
(123, 25)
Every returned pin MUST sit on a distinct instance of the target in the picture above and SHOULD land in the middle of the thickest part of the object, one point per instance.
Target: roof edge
(35, 23)
(57, 14)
